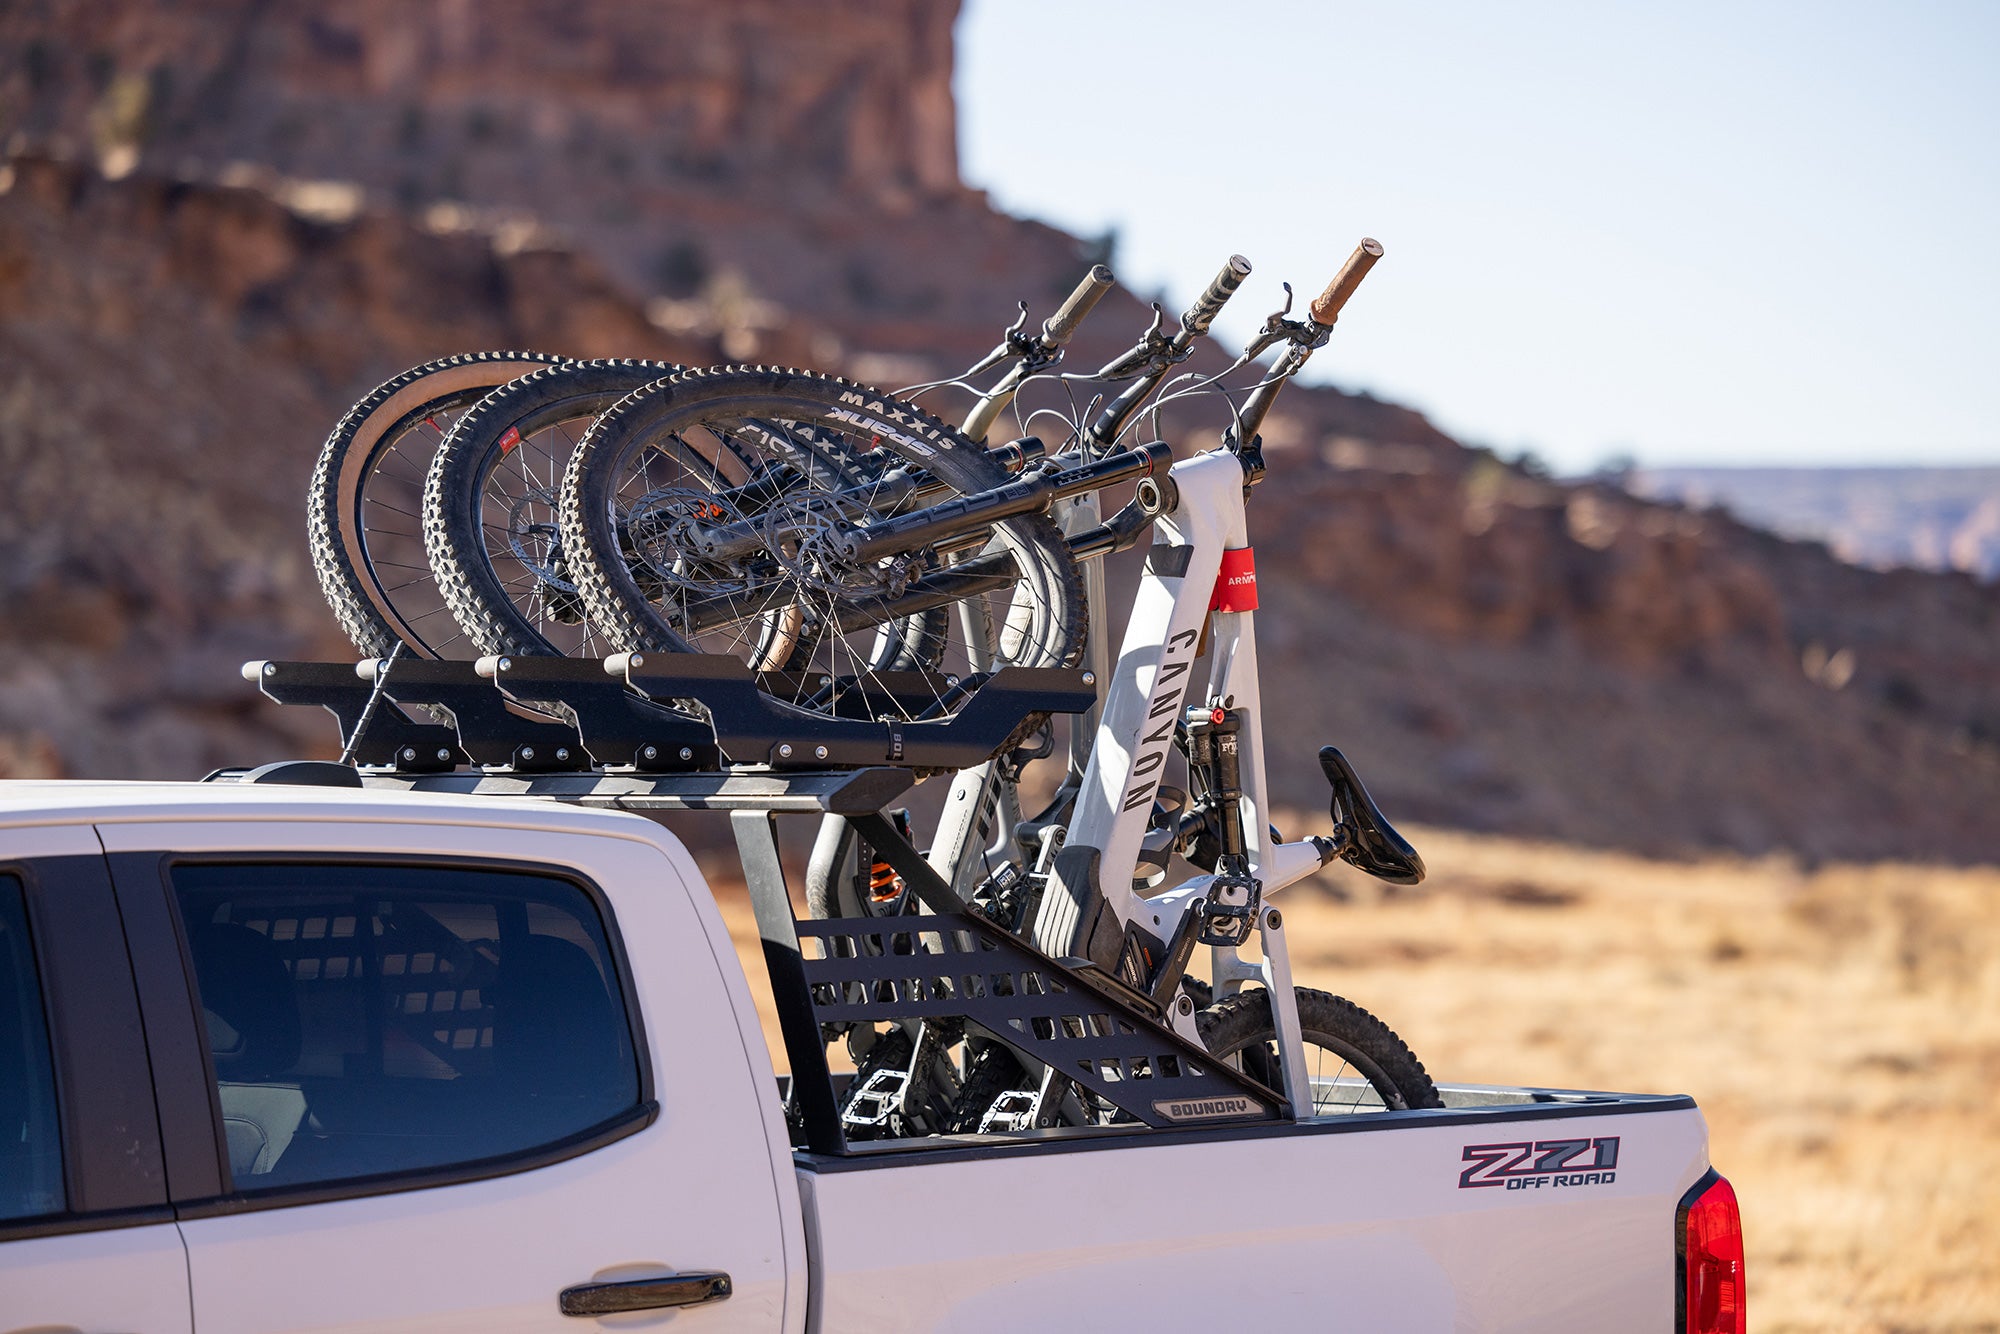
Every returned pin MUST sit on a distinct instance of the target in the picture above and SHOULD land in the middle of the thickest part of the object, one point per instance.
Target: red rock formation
(803, 153)
(522, 102)
(1495, 649)
(170, 357)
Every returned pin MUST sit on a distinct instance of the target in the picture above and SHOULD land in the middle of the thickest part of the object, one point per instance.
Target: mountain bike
(979, 828)
(1198, 591)
(489, 503)
(749, 511)
(978, 844)
(431, 510)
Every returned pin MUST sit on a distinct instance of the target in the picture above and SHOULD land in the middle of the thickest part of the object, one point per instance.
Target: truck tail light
(1710, 1242)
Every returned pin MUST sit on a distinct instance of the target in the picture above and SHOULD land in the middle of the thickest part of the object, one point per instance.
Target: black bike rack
(493, 735)
(374, 733)
(654, 733)
(753, 726)
(618, 727)
(657, 713)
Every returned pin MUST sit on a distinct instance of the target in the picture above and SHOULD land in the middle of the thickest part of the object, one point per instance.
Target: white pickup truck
(293, 1057)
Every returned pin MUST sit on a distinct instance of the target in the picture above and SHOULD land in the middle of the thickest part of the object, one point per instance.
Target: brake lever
(1276, 319)
(1143, 355)
(1014, 346)
(1277, 329)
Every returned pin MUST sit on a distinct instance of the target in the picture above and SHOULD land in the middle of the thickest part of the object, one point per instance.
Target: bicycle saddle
(1362, 836)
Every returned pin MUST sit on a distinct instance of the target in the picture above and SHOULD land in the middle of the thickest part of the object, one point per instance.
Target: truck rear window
(366, 1020)
(30, 1149)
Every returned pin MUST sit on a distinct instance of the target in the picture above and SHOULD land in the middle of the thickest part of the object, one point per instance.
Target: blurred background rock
(223, 221)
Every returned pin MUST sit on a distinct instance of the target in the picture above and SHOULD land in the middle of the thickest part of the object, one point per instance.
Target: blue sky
(1690, 232)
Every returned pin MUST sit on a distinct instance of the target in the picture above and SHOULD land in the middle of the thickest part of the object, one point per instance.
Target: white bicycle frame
(1143, 698)
(1146, 696)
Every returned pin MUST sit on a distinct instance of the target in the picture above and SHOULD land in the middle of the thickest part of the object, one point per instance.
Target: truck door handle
(645, 1294)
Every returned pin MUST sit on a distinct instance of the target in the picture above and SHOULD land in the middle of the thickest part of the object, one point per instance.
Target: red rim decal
(509, 440)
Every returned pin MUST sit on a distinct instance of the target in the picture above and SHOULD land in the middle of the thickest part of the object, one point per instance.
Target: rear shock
(885, 892)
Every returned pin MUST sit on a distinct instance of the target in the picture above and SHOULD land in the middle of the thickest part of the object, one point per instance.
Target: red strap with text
(1236, 581)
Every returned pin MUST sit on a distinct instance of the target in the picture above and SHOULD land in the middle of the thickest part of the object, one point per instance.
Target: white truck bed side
(1361, 1219)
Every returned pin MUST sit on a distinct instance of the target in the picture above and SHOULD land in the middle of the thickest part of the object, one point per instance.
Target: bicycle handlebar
(1058, 328)
(1156, 355)
(1326, 306)
(1209, 304)
(1033, 354)
(1303, 337)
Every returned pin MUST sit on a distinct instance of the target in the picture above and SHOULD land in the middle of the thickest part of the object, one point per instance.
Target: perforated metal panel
(865, 970)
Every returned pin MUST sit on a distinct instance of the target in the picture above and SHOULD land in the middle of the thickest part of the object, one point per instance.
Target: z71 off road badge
(1540, 1164)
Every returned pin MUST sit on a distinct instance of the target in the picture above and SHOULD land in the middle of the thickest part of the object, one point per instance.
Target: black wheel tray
(654, 713)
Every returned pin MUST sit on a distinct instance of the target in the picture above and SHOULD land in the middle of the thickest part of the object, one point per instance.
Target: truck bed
(1555, 1204)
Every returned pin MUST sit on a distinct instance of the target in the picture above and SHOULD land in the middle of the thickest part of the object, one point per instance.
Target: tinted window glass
(30, 1151)
(368, 1019)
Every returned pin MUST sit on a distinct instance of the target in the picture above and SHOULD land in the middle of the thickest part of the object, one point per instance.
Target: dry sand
(1839, 1026)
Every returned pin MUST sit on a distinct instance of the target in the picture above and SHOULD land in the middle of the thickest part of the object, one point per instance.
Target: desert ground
(1839, 1025)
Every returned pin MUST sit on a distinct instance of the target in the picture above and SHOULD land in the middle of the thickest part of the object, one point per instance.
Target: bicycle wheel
(1355, 1061)
(715, 512)
(489, 507)
(362, 508)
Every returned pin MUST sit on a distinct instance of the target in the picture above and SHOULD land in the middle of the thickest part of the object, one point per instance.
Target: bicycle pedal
(879, 1097)
(1230, 911)
(1012, 1111)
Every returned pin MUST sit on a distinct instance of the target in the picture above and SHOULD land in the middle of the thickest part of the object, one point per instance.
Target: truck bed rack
(564, 730)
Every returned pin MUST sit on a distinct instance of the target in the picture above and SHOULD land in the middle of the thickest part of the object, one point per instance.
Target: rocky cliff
(170, 356)
(1520, 656)
(768, 152)
(222, 222)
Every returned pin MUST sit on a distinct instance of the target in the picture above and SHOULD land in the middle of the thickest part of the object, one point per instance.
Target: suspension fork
(1079, 514)
(984, 797)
